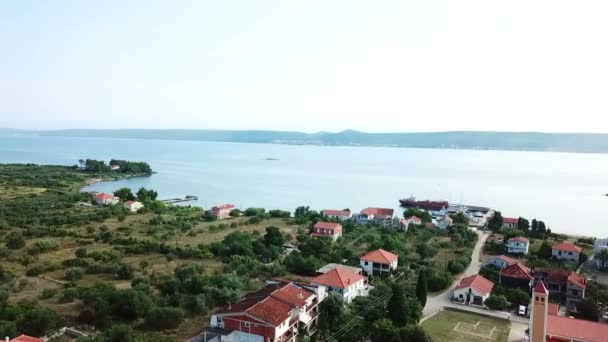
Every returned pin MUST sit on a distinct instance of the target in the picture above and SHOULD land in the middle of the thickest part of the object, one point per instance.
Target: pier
(179, 200)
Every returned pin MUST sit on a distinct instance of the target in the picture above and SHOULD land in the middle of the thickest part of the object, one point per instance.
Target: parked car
(522, 310)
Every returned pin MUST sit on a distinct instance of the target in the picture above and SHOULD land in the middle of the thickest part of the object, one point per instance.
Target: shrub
(14, 240)
(124, 272)
(81, 252)
(48, 293)
(162, 318)
(73, 274)
(69, 295)
(495, 302)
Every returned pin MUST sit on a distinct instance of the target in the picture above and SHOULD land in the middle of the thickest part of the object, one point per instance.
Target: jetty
(179, 200)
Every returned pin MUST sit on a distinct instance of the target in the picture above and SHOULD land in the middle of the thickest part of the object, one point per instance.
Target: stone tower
(538, 316)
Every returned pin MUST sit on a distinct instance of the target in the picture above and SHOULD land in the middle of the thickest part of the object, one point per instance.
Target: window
(569, 253)
(537, 299)
(559, 253)
(366, 263)
(247, 324)
(542, 299)
(461, 296)
(575, 292)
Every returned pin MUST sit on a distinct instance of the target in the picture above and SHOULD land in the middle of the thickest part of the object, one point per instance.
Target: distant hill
(520, 141)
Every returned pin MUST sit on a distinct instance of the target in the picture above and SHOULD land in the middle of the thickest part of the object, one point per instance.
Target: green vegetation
(441, 327)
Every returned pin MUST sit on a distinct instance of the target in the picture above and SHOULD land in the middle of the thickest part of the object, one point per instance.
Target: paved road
(436, 303)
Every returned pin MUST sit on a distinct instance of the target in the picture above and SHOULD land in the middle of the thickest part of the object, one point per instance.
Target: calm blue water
(563, 189)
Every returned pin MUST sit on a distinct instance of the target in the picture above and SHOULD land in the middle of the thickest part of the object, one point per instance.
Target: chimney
(229, 306)
(300, 295)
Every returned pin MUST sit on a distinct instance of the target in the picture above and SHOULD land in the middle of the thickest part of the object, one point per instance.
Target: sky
(377, 66)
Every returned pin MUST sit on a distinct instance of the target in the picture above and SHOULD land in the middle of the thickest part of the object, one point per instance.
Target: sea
(565, 190)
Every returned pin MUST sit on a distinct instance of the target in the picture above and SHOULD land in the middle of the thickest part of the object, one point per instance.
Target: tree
(146, 195)
(383, 330)
(162, 318)
(14, 240)
(273, 237)
(421, 288)
(124, 194)
(331, 312)
(495, 302)
(495, 223)
(413, 333)
(81, 252)
(460, 219)
(125, 272)
(588, 310)
(545, 250)
(523, 224)
(424, 215)
(602, 256)
(38, 321)
(398, 309)
(119, 333)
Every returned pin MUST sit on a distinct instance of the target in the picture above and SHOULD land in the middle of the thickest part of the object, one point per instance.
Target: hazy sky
(305, 65)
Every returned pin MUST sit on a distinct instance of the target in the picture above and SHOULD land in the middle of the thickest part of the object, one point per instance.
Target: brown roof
(103, 195)
(327, 225)
(377, 211)
(338, 278)
(577, 279)
(380, 256)
(540, 288)
(567, 246)
(519, 238)
(510, 220)
(577, 329)
(477, 282)
(223, 206)
(294, 295)
(330, 212)
(516, 270)
(271, 310)
(555, 275)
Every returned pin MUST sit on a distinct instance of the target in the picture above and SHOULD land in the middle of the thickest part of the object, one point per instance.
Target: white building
(339, 214)
(106, 199)
(381, 216)
(133, 206)
(518, 245)
(343, 283)
(473, 290)
(599, 246)
(379, 262)
(500, 261)
(566, 251)
(406, 222)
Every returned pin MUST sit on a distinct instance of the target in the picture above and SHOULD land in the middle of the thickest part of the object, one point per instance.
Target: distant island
(474, 140)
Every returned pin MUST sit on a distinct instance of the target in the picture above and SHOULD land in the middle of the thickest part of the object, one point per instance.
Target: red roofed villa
(328, 229)
(222, 211)
(510, 222)
(473, 290)
(375, 215)
(405, 223)
(547, 327)
(379, 262)
(518, 245)
(106, 199)
(566, 251)
(500, 261)
(274, 313)
(339, 214)
(343, 282)
(516, 276)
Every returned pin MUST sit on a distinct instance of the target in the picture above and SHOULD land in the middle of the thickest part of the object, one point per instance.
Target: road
(436, 303)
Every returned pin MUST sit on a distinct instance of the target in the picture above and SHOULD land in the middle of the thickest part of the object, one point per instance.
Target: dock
(179, 200)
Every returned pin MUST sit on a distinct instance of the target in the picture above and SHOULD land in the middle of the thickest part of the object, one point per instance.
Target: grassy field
(465, 327)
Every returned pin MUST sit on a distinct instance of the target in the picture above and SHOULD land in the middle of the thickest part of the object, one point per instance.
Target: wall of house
(561, 255)
(254, 328)
(463, 292)
(369, 268)
(517, 247)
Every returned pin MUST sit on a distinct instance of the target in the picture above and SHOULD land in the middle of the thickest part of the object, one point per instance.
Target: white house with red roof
(339, 214)
(500, 261)
(133, 206)
(379, 262)
(518, 245)
(375, 215)
(106, 199)
(545, 326)
(406, 222)
(327, 229)
(445, 222)
(222, 211)
(566, 251)
(510, 222)
(473, 290)
(343, 282)
(274, 313)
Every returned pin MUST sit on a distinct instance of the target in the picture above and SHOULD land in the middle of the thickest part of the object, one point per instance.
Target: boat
(426, 205)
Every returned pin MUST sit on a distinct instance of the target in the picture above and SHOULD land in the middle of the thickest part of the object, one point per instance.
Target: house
(518, 245)
(566, 251)
(115, 167)
(567, 285)
(599, 246)
(274, 313)
(516, 276)
(445, 223)
(343, 283)
(328, 229)
(405, 223)
(331, 266)
(510, 222)
(106, 199)
(381, 216)
(222, 211)
(379, 262)
(473, 290)
(339, 214)
(500, 261)
(26, 338)
(133, 206)
(547, 327)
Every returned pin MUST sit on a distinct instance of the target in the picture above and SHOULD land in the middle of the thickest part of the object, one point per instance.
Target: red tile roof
(553, 309)
(328, 225)
(516, 270)
(477, 282)
(294, 295)
(504, 258)
(271, 310)
(103, 195)
(578, 280)
(344, 213)
(510, 220)
(578, 329)
(413, 218)
(557, 276)
(223, 206)
(380, 256)
(540, 288)
(567, 246)
(26, 338)
(519, 238)
(338, 278)
(377, 211)
(130, 202)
